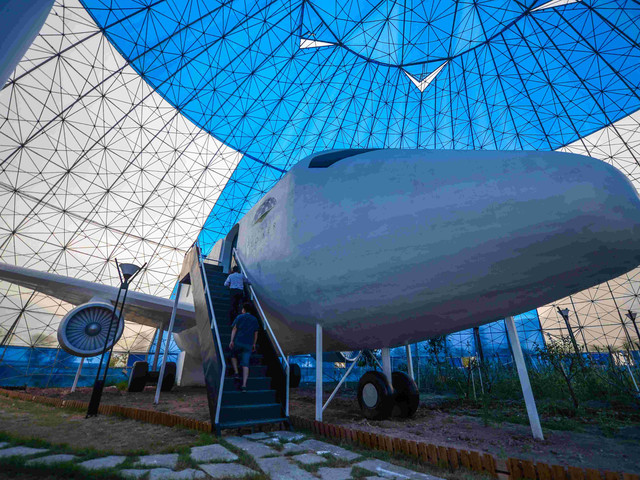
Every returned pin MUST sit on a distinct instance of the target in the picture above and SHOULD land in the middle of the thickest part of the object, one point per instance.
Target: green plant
(123, 385)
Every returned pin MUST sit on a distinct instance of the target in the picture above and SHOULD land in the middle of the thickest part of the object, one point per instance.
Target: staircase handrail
(272, 335)
(214, 326)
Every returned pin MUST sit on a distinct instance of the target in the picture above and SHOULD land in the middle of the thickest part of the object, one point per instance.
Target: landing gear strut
(140, 376)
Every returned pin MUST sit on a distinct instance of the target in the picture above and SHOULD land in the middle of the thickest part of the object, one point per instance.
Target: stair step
(253, 383)
(219, 298)
(254, 371)
(214, 278)
(253, 397)
(211, 267)
(244, 423)
(221, 306)
(253, 361)
(232, 413)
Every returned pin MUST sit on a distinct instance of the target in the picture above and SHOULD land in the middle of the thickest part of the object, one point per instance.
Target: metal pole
(473, 383)
(156, 354)
(624, 326)
(417, 369)
(481, 382)
(166, 346)
(386, 364)
(580, 327)
(565, 315)
(344, 377)
(632, 316)
(632, 377)
(75, 380)
(318, 372)
(98, 385)
(529, 400)
(476, 338)
(410, 362)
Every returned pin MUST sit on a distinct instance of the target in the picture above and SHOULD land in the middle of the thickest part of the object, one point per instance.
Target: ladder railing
(269, 330)
(214, 330)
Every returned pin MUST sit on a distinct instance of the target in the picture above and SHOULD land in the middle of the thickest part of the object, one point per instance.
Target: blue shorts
(242, 352)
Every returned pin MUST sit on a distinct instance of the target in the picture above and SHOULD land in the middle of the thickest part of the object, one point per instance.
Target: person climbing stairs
(264, 401)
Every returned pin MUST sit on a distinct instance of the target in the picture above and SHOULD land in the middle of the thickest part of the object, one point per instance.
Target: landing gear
(375, 396)
(295, 375)
(407, 397)
(378, 400)
(140, 376)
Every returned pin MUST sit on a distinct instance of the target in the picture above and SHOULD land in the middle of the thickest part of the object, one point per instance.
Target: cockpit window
(324, 160)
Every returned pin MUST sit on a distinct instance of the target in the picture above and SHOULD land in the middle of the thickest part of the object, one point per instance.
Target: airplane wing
(140, 308)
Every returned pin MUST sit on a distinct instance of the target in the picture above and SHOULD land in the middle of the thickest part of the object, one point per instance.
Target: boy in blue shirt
(244, 336)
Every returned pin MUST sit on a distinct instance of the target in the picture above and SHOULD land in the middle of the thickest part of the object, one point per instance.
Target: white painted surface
(386, 364)
(394, 246)
(319, 372)
(77, 377)
(140, 307)
(529, 400)
(407, 349)
(172, 323)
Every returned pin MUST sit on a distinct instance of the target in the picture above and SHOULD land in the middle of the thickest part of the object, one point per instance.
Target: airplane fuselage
(390, 247)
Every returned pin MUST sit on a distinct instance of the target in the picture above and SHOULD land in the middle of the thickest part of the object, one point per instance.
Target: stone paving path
(280, 455)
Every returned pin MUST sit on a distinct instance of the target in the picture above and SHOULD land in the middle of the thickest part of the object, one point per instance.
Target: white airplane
(381, 248)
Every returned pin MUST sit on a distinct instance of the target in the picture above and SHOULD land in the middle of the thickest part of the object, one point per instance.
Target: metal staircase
(266, 399)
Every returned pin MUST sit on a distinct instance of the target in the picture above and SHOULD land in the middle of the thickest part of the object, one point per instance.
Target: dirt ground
(620, 452)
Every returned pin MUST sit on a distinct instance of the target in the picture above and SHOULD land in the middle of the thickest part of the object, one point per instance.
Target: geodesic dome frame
(131, 128)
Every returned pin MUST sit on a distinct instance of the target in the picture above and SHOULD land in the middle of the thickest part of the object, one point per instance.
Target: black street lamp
(632, 316)
(565, 315)
(126, 272)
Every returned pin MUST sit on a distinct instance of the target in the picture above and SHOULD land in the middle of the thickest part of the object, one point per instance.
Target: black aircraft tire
(406, 394)
(138, 377)
(295, 375)
(169, 379)
(375, 396)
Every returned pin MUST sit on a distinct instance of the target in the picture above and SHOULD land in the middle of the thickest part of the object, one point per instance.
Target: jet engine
(83, 331)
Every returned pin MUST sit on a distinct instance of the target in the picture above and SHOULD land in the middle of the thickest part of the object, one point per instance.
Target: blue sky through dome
(511, 75)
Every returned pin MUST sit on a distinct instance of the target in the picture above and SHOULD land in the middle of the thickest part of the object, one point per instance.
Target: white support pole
(318, 372)
(166, 347)
(78, 372)
(410, 362)
(529, 401)
(386, 364)
(156, 354)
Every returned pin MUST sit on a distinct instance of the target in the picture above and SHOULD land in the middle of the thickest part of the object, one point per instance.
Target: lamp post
(632, 316)
(565, 315)
(126, 272)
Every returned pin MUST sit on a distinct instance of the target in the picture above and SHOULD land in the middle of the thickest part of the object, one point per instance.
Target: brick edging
(453, 458)
(428, 453)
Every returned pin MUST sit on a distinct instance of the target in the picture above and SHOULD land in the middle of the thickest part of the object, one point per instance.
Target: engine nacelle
(83, 330)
